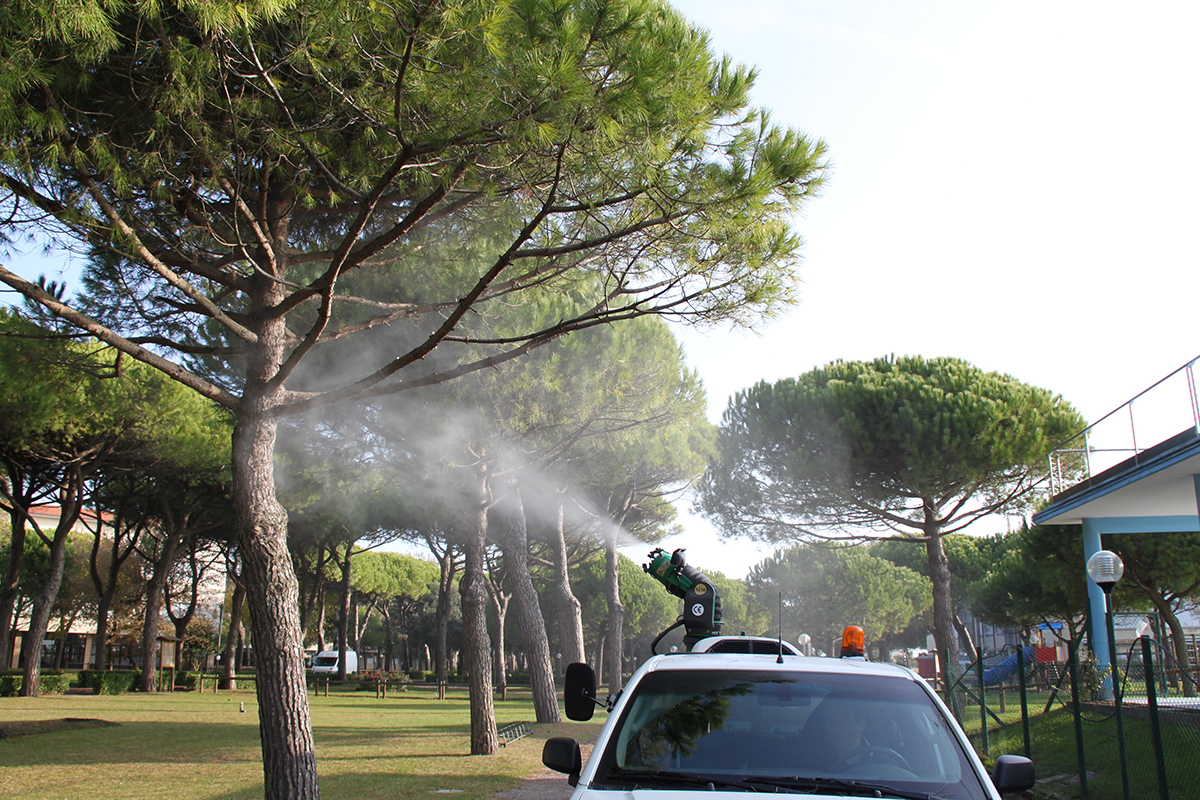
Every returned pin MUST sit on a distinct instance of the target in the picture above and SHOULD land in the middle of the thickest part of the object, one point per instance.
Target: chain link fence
(1142, 743)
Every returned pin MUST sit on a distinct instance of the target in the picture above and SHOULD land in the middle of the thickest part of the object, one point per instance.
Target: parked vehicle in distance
(326, 662)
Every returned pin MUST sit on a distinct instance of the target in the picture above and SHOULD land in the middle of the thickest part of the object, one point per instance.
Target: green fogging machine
(701, 617)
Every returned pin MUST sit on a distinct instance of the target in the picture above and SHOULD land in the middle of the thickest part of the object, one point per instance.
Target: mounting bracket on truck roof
(701, 617)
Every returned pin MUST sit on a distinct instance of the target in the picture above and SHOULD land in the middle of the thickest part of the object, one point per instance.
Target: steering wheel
(871, 754)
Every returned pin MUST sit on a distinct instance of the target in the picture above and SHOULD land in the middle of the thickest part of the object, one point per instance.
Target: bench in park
(513, 731)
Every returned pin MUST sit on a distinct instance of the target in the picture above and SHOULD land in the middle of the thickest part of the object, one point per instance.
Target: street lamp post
(1105, 568)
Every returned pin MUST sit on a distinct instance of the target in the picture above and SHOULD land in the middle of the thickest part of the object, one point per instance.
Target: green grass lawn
(190, 745)
(1054, 752)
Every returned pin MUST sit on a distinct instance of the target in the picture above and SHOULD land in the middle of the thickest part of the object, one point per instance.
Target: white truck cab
(768, 720)
(326, 662)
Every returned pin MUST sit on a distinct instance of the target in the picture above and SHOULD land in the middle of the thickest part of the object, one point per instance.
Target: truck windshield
(788, 728)
(325, 661)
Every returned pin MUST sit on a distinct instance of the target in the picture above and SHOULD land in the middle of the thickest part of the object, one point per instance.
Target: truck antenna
(780, 659)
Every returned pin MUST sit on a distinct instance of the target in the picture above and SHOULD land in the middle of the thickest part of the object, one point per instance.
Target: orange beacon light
(853, 642)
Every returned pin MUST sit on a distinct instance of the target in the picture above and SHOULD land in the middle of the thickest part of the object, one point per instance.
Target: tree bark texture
(388, 636)
(106, 588)
(235, 625)
(343, 631)
(614, 652)
(441, 647)
(965, 639)
(500, 602)
(477, 645)
(567, 605)
(272, 592)
(12, 579)
(154, 601)
(943, 600)
(71, 501)
(515, 544)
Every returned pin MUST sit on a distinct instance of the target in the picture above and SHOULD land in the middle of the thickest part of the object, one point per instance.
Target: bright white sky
(1015, 183)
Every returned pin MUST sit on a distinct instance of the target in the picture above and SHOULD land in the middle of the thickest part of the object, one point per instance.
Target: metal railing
(1151, 417)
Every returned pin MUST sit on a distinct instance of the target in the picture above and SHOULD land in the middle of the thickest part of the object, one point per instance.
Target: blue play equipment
(1005, 669)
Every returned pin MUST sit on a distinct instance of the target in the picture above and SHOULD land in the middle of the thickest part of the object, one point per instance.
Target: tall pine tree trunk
(943, 600)
(154, 601)
(441, 648)
(477, 645)
(100, 640)
(567, 605)
(322, 645)
(12, 571)
(39, 619)
(235, 626)
(343, 631)
(388, 647)
(272, 594)
(515, 544)
(499, 651)
(106, 589)
(614, 652)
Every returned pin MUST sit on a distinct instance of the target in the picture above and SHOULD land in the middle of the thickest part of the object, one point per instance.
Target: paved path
(544, 785)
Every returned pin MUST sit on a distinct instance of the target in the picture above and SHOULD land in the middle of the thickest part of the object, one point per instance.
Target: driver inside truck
(844, 731)
(833, 731)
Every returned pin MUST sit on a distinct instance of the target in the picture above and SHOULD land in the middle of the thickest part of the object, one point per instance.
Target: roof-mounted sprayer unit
(701, 616)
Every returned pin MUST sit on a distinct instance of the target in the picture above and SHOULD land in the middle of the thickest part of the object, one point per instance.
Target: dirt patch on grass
(32, 727)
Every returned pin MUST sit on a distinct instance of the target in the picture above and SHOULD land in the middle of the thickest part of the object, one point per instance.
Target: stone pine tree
(910, 447)
(1039, 578)
(253, 181)
(821, 589)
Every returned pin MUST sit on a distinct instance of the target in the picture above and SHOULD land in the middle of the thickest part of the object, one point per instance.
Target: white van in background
(326, 662)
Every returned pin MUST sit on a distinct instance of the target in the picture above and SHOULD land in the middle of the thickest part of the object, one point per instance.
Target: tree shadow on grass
(135, 743)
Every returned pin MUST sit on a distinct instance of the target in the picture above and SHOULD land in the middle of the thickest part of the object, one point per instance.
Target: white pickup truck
(767, 720)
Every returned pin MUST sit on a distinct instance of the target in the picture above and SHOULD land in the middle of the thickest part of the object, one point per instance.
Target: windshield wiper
(680, 779)
(817, 783)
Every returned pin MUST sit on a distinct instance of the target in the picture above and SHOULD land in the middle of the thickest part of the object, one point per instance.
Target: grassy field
(190, 745)
(1054, 752)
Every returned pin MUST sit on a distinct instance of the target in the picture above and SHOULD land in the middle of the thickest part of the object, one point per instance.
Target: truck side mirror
(579, 692)
(1012, 774)
(562, 754)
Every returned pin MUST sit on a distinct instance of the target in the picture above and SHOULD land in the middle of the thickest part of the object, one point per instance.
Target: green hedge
(10, 684)
(111, 681)
(52, 682)
(55, 682)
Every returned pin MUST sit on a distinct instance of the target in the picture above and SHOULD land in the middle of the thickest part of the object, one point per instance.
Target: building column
(1096, 607)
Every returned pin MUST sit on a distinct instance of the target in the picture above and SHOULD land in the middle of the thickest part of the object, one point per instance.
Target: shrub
(115, 682)
(54, 683)
(185, 680)
(10, 684)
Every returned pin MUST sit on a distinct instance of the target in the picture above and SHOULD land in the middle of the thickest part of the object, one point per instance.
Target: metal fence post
(983, 721)
(1077, 711)
(1155, 730)
(1024, 698)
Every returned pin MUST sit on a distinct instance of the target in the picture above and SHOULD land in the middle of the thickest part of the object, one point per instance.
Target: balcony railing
(1149, 418)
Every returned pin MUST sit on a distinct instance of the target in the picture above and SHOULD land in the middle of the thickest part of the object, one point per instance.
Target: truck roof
(749, 661)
